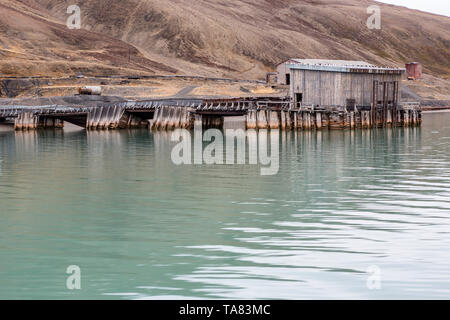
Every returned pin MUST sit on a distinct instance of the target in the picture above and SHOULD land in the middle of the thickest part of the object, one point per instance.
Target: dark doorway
(298, 98)
(288, 78)
(351, 104)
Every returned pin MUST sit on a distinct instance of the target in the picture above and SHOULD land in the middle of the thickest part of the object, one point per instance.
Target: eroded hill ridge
(235, 38)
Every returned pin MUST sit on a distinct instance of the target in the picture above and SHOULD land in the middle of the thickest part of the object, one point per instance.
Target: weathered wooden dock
(257, 113)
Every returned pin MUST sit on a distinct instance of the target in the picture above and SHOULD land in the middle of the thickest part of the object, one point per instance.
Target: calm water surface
(140, 227)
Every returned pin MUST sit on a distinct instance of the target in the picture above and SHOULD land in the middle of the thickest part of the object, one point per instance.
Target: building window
(288, 78)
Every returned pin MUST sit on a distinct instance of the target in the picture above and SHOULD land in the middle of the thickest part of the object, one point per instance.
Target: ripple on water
(142, 228)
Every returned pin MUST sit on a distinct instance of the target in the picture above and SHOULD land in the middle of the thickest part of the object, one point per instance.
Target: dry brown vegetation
(223, 38)
(33, 44)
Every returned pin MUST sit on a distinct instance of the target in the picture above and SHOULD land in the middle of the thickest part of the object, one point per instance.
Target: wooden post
(283, 120)
(308, 120)
(365, 119)
(305, 121)
(274, 121)
(383, 116)
(198, 122)
(288, 120)
(166, 116)
(177, 117)
(261, 121)
(251, 119)
(389, 117)
(170, 118)
(318, 120)
(295, 115)
(395, 104)
(300, 120)
(374, 102)
(352, 120)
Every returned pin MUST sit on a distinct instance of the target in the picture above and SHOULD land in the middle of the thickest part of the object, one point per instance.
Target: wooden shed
(337, 83)
(283, 72)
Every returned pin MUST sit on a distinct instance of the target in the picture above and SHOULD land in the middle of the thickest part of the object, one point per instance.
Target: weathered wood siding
(326, 88)
(282, 70)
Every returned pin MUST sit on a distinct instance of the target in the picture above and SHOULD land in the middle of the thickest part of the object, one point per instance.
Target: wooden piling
(306, 120)
(299, 120)
(177, 118)
(352, 120)
(165, 117)
(318, 120)
(251, 119)
(288, 120)
(26, 121)
(365, 120)
(413, 118)
(406, 118)
(283, 120)
(168, 120)
(262, 119)
(185, 119)
(295, 120)
(389, 118)
(198, 122)
(274, 121)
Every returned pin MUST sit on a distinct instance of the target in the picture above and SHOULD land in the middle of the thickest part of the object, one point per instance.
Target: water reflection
(141, 227)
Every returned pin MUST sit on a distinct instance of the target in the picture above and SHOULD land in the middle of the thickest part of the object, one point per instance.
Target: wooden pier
(257, 113)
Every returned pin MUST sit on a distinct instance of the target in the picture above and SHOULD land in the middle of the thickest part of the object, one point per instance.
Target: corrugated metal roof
(340, 66)
(337, 63)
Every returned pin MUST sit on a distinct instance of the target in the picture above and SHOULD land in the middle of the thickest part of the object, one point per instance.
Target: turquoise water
(139, 227)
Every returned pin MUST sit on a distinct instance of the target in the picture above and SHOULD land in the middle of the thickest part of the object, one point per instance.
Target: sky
(435, 6)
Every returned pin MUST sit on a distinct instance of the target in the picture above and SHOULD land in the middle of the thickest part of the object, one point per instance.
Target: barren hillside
(34, 44)
(232, 38)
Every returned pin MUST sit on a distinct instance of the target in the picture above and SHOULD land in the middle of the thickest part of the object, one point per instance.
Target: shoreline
(436, 110)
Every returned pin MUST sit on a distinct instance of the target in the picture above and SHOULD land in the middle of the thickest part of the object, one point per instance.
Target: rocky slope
(34, 44)
(232, 38)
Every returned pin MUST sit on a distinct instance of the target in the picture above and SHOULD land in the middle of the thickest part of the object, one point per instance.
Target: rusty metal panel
(414, 70)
